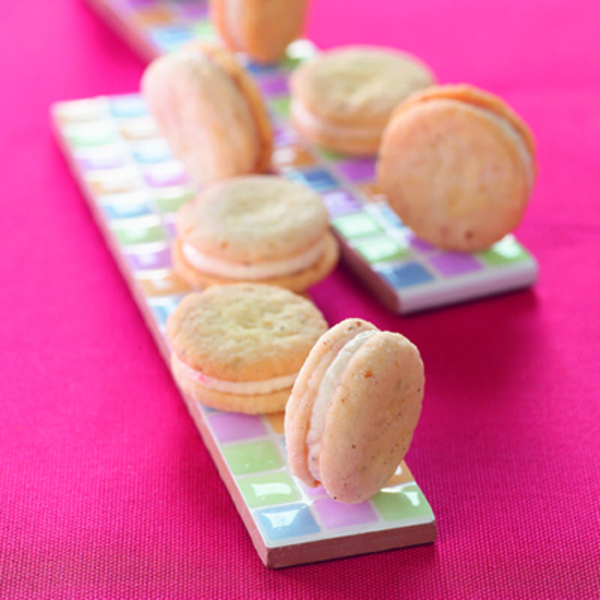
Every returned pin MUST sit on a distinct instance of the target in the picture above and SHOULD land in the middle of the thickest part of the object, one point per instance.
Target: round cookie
(259, 228)
(458, 166)
(210, 112)
(262, 29)
(342, 99)
(240, 347)
(354, 407)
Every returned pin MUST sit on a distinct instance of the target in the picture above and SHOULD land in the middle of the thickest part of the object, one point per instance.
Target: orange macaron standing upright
(261, 29)
(210, 112)
(342, 99)
(458, 166)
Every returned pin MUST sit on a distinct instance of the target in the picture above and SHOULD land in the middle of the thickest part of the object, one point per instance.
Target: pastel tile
(172, 37)
(452, 264)
(169, 199)
(162, 310)
(277, 85)
(135, 234)
(113, 181)
(128, 107)
(137, 196)
(256, 457)
(166, 175)
(340, 202)
(139, 128)
(143, 261)
(232, 427)
(381, 249)
(97, 133)
(280, 106)
(506, 251)
(319, 180)
(297, 53)
(406, 502)
(357, 169)
(389, 216)
(331, 156)
(316, 492)
(334, 515)
(103, 162)
(284, 135)
(81, 111)
(193, 10)
(204, 30)
(152, 151)
(289, 521)
(154, 15)
(356, 225)
(276, 422)
(292, 157)
(421, 245)
(406, 275)
(162, 283)
(268, 489)
(372, 192)
(122, 210)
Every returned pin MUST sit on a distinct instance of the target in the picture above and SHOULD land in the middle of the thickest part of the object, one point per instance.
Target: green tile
(281, 106)
(356, 225)
(172, 203)
(405, 502)
(381, 249)
(256, 457)
(268, 490)
(297, 53)
(504, 252)
(332, 156)
(204, 30)
(130, 236)
(92, 137)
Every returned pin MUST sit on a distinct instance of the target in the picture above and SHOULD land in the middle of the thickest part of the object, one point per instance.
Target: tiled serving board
(406, 274)
(134, 186)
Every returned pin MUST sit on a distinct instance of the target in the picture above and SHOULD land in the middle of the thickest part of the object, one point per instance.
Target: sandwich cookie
(210, 112)
(262, 29)
(353, 410)
(342, 99)
(239, 347)
(458, 167)
(259, 228)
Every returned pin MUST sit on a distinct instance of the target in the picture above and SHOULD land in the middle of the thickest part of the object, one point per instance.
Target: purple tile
(455, 263)
(100, 163)
(340, 202)
(193, 10)
(357, 169)
(316, 492)
(153, 260)
(166, 178)
(274, 86)
(284, 135)
(421, 245)
(231, 427)
(335, 514)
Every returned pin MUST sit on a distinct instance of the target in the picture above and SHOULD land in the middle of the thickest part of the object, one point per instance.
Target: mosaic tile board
(134, 187)
(406, 274)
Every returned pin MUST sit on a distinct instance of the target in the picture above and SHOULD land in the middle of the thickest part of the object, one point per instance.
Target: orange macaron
(210, 112)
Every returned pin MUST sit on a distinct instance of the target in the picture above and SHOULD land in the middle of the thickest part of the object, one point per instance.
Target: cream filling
(308, 120)
(324, 398)
(263, 270)
(245, 388)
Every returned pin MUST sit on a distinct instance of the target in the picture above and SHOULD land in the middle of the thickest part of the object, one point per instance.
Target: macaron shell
(296, 282)
(253, 219)
(370, 423)
(298, 411)
(260, 28)
(257, 404)
(455, 173)
(244, 332)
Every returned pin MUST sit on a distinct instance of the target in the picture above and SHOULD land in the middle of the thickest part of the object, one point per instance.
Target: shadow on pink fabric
(106, 490)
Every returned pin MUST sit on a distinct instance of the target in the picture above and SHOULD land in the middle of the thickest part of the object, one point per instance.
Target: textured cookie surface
(457, 166)
(244, 332)
(253, 219)
(260, 28)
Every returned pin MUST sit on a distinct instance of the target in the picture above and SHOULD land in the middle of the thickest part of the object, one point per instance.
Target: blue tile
(317, 179)
(127, 107)
(171, 38)
(406, 275)
(126, 211)
(289, 520)
(152, 153)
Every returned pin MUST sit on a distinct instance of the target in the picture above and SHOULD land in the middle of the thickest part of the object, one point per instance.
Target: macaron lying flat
(262, 29)
(353, 410)
(259, 228)
(342, 99)
(210, 112)
(240, 347)
(458, 166)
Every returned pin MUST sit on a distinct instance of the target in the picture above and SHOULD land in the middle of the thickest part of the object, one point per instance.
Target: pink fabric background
(106, 490)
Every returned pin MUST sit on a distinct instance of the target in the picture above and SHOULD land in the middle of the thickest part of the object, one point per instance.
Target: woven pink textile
(106, 490)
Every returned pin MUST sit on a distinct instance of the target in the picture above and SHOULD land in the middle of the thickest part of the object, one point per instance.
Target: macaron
(353, 410)
(262, 29)
(210, 112)
(240, 347)
(257, 228)
(458, 166)
(342, 99)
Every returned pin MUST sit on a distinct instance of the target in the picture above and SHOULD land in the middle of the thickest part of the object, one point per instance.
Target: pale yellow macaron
(261, 29)
(353, 410)
(458, 166)
(343, 98)
(240, 347)
(258, 228)
(210, 112)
